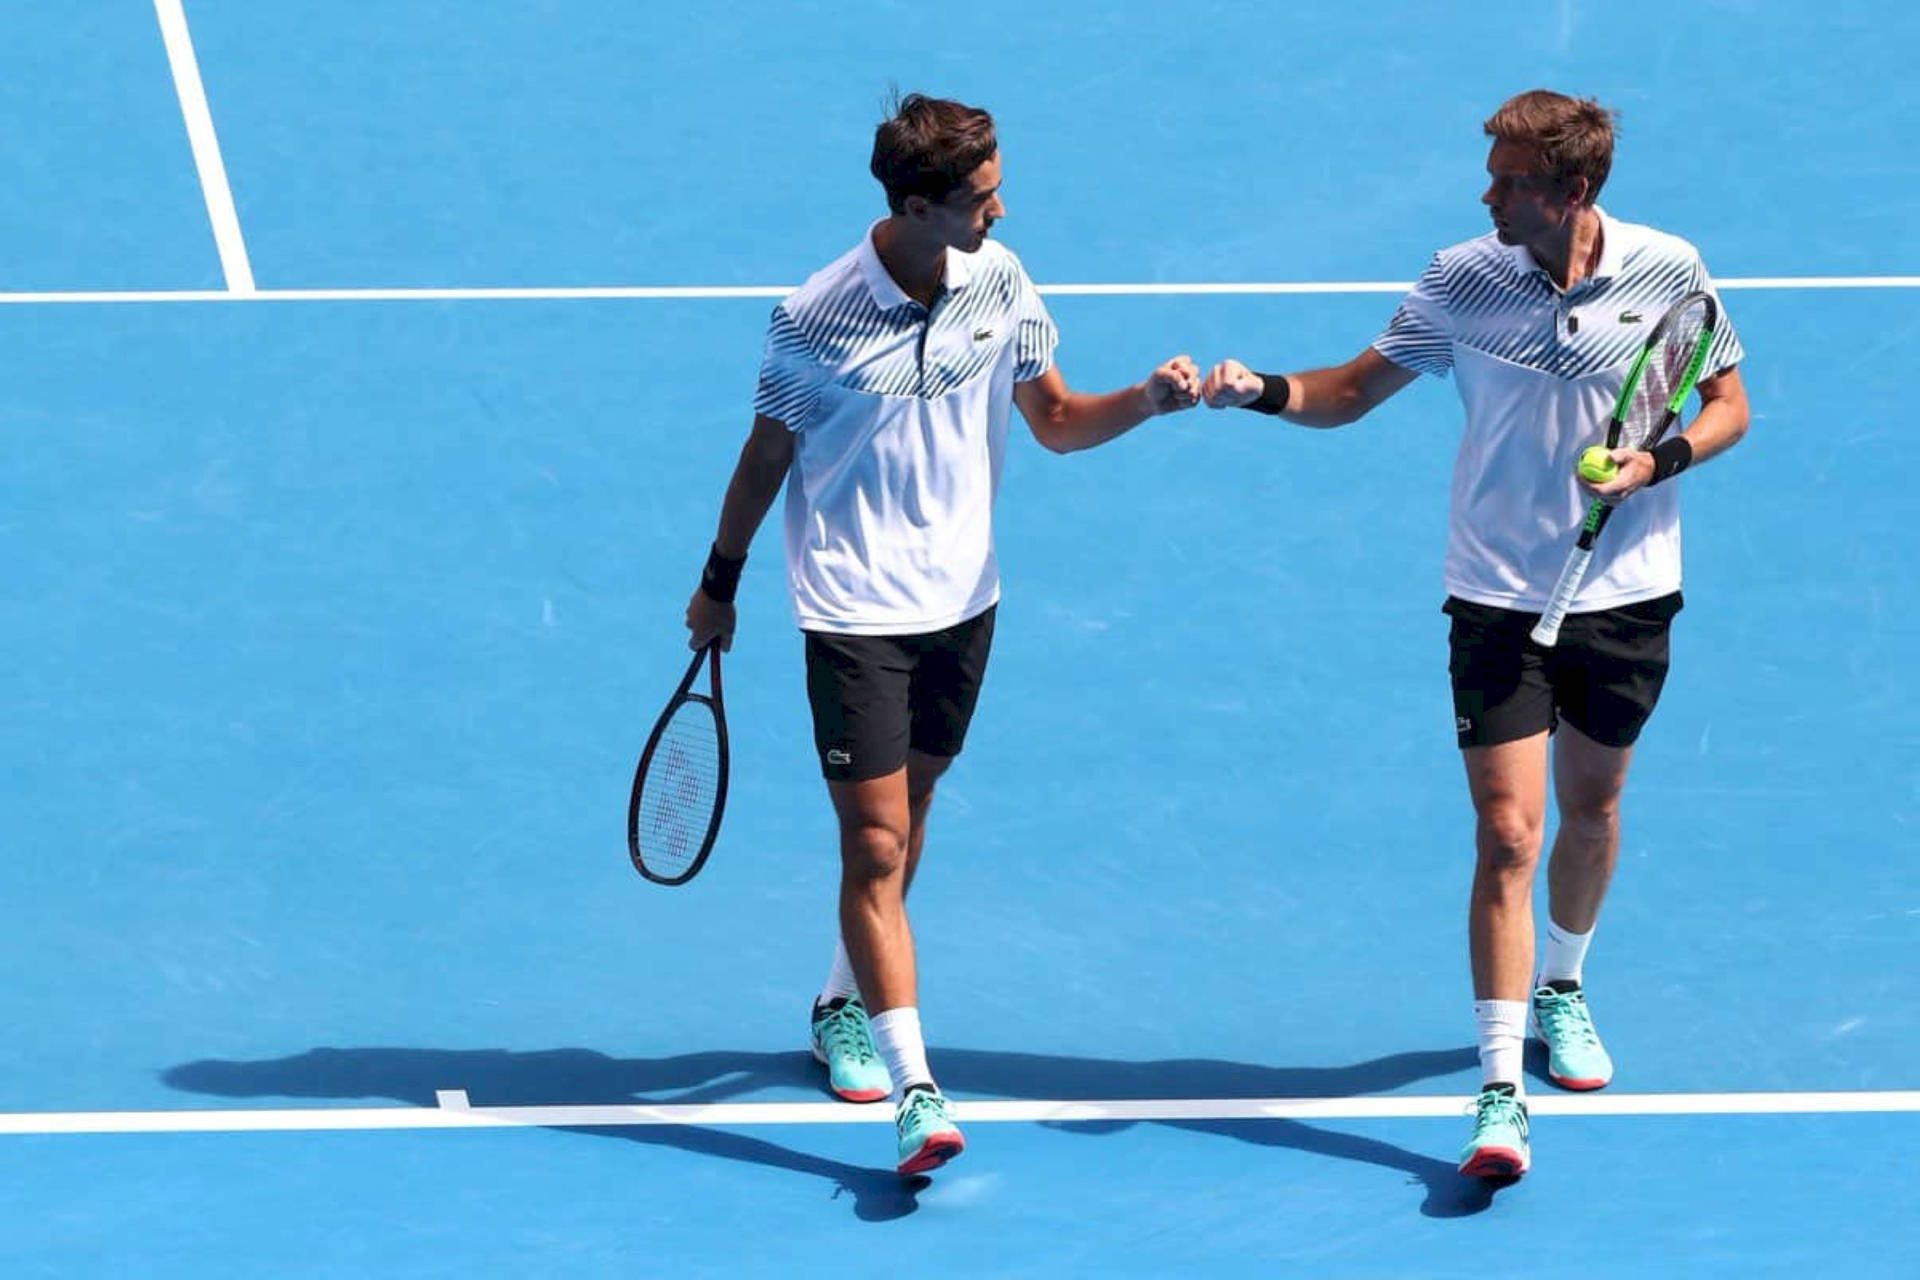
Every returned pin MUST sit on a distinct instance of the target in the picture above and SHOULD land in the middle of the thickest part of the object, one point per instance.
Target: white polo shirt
(900, 422)
(1538, 370)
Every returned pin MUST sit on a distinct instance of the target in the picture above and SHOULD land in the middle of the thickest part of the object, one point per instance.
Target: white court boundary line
(206, 148)
(455, 1112)
(621, 293)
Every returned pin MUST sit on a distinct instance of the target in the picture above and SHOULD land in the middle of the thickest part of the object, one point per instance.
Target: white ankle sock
(841, 984)
(1563, 955)
(896, 1034)
(1503, 1035)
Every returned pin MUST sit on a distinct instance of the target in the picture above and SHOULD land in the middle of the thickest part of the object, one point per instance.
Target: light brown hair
(1573, 137)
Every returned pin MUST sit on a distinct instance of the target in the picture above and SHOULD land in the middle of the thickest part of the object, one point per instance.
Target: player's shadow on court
(1020, 1075)
(565, 1077)
(583, 1077)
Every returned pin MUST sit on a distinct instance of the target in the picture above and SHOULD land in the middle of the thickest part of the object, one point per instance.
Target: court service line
(206, 148)
(620, 293)
(456, 1112)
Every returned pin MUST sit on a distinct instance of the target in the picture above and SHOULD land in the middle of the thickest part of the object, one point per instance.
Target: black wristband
(1670, 457)
(721, 578)
(1274, 391)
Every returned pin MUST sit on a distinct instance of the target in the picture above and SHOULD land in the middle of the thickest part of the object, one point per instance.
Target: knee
(1509, 840)
(1591, 817)
(872, 851)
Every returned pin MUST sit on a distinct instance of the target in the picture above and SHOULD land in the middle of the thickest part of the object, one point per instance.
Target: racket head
(680, 786)
(1664, 373)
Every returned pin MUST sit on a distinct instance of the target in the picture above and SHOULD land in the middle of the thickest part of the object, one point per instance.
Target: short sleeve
(1034, 334)
(789, 375)
(1726, 351)
(1420, 335)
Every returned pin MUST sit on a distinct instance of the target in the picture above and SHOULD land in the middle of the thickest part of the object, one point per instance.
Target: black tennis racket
(680, 788)
(1656, 389)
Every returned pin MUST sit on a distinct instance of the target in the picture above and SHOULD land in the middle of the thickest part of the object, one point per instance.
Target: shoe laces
(1498, 1107)
(1565, 1015)
(917, 1103)
(843, 1032)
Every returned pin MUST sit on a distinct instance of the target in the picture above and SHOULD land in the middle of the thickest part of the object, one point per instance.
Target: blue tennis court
(350, 524)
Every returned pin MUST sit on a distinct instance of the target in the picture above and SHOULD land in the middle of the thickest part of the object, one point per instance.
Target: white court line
(206, 147)
(452, 1114)
(725, 292)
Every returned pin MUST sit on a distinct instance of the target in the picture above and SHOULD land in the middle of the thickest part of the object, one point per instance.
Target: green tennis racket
(1662, 377)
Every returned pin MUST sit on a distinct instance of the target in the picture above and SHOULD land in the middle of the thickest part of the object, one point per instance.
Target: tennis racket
(1656, 389)
(680, 788)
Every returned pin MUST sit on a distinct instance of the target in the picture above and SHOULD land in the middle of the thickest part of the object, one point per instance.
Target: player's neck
(1572, 252)
(917, 266)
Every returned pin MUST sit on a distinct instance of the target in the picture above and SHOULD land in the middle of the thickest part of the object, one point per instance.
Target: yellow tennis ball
(1598, 466)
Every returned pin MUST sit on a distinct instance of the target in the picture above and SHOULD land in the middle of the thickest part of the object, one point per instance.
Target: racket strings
(1666, 372)
(681, 790)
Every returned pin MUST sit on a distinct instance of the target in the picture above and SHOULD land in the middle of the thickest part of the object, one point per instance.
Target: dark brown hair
(1573, 137)
(928, 146)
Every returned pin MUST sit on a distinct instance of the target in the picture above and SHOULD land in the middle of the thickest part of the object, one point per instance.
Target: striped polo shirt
(1538, 369)
(900, 418)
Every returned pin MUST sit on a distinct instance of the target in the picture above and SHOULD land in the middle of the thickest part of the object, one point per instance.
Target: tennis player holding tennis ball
(884, 401)
(1597, 465)
(1540, 321)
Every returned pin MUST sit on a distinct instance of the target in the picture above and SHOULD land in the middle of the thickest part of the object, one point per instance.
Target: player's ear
(1578, 188)
(916, 207)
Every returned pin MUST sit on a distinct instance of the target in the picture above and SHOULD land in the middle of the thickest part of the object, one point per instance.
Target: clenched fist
(1175, 385)
(1231, 385)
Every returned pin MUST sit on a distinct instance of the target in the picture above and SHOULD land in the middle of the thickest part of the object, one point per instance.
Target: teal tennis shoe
(843, 1043)
(928, 1136)
(1499, 1146)
(1575, 1057)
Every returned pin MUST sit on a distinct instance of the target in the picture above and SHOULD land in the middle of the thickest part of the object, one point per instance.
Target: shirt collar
(1612, 251)
(886, 293)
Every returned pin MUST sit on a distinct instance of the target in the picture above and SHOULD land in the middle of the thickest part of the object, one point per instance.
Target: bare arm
(757, 477)
(756, 482)
(1065, 420)
(1724, 415)
(1330, 397)
(1723, 420)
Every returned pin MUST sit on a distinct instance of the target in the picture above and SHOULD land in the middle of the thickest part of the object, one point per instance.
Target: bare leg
(923, 771)
(1588, 780)
(882, 834)
(1508, 783)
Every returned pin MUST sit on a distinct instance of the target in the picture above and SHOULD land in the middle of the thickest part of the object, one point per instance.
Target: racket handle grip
(1547, 631)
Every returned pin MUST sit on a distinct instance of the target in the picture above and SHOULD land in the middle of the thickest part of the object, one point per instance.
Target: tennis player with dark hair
(883, 406)
(1539, 320)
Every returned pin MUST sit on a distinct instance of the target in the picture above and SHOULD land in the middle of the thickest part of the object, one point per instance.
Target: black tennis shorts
(875, 696)
(1604, 676)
